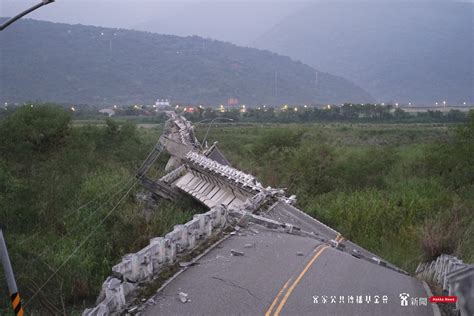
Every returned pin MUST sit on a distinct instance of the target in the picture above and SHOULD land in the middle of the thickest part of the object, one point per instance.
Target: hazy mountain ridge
(419, 52)
(231, 21)
(85, 64)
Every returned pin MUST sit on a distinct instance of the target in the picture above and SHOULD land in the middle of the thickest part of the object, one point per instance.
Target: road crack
(230, 283)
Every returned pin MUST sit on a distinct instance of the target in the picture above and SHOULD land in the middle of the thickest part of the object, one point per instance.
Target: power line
(82, 206)
(134, 182)
(45, 250)
(80, 245)
(68, 214)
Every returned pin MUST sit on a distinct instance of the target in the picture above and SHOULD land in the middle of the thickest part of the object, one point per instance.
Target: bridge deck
(222, 284)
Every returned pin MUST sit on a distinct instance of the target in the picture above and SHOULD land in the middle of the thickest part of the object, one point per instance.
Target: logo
(443, 299)
(404, 299)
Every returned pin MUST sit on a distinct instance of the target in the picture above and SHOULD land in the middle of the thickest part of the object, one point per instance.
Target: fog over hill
(86, 64)
(420, 52)
(417, 51)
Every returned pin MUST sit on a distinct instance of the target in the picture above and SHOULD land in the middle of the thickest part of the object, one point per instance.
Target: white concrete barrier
(147, 263)
(455, 278)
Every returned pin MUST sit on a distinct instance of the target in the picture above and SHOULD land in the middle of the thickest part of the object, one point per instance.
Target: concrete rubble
(233, 197)
(183, 297)
(236, 253)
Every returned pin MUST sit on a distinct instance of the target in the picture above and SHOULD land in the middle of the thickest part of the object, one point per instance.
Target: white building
(161, 103)
(109, 112)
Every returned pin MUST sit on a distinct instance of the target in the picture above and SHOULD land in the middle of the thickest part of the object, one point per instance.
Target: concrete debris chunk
(183, 297)
(114, 283)
(233, 233)
(356, 253)
(300, 253)
(236, 253)
(341, 246)
(248, 246)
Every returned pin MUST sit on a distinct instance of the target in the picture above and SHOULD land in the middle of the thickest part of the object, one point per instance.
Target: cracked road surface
(283, 274)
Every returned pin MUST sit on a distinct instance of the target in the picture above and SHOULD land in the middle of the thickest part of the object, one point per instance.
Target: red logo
(443, 299)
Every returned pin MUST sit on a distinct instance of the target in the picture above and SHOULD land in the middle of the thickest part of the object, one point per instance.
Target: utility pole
(276, 85)
(316, 79)
(7, 268)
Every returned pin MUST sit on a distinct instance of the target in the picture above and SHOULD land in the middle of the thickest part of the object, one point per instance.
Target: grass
(369, 181)
(403, 191)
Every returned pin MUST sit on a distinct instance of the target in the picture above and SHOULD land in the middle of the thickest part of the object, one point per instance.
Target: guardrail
(119, 288)
(454, 277)
(150, 261)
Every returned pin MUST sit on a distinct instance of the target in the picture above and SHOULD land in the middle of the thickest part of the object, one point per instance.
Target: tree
(33, 129)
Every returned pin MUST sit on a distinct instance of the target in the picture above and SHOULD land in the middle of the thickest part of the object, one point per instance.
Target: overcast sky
(237, 21)
(123, 13)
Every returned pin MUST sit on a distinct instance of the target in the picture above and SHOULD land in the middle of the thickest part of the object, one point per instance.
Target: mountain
(419, 52)
(95, 65)
(238, 22)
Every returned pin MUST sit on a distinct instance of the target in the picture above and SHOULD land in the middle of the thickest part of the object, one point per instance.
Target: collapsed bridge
(266, 265)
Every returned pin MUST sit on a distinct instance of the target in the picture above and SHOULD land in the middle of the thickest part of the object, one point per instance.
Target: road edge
(434, 306)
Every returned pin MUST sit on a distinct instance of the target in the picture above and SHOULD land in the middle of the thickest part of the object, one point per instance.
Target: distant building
(232, 101)
(109, 112)
(162, 103)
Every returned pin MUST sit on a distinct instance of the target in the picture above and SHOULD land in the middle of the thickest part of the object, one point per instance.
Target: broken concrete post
(236, 253)
(159, 244)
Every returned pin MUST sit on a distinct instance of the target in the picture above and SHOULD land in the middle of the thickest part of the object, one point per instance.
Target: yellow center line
(269, 311)
(298, 279)
(282, 290)
(339, 238)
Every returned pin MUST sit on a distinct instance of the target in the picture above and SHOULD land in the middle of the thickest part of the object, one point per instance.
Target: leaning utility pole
(7, 268)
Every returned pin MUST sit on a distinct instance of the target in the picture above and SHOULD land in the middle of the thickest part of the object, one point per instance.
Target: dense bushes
(355, 113)
(404, 192)
(57, 184)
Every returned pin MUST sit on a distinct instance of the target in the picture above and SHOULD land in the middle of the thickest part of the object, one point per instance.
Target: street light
(210, 124)
(22, 14)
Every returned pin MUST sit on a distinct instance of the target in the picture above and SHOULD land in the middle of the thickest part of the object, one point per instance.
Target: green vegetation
(348, 112)
(404, 191)
(48, 170)
(77, 64)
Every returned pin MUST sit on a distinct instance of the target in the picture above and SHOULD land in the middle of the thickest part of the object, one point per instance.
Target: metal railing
(454, 278)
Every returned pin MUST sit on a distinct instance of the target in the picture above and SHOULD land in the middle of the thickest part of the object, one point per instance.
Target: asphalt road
(284, 274)
(283, 212)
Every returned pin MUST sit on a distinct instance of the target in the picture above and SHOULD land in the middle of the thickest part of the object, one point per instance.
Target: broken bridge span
(277, 259)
